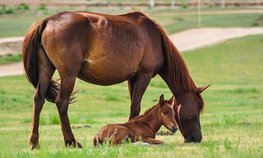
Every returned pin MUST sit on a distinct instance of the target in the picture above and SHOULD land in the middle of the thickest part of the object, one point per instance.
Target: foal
(142, 128)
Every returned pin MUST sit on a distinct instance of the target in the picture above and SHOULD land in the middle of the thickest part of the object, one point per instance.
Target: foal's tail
(30, 48)
(96, 140)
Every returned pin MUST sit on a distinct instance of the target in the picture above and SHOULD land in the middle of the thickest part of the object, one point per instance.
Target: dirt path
(196, 38)
(11, 69)
(10, 45)
(186, 40)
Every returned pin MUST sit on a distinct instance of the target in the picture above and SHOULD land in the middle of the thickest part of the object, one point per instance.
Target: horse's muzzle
(193, 139)
(174, 129)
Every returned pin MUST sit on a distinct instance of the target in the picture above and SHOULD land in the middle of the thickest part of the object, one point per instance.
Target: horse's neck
(152, 119)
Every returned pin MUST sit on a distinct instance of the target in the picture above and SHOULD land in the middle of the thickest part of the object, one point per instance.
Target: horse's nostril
(174, 129)
(198, 139)
(193, 139)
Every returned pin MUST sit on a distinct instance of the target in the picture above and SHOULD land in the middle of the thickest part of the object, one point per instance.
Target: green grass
(175, 23)
(173, 20)
(17, 24)
(232, 122)
(7, 59)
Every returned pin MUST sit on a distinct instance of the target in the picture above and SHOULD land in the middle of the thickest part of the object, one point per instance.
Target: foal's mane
(148, 111)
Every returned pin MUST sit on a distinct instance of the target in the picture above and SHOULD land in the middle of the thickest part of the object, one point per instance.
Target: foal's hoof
(73, 144)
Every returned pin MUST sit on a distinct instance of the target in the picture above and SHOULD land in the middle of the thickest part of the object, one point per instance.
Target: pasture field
(173, 20)
(232, 122)
(7, 59)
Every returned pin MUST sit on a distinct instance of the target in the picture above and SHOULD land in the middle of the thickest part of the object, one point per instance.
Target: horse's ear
(172, 101)
(161, 100)
(201, 89)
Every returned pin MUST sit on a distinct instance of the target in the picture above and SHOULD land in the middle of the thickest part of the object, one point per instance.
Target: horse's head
(167, 114)
(187, 114)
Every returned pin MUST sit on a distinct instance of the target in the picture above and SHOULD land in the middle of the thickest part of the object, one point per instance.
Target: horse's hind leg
(62, 102)
(119, 135)
(46, 71)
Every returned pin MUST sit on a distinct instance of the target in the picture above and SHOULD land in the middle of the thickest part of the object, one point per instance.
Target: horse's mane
(177, 68)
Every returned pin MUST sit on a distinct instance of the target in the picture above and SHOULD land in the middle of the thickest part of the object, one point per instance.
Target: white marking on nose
(95, 61)
(178, 111)
(89, 61)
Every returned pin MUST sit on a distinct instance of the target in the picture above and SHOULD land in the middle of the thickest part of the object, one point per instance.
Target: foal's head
(167, 114)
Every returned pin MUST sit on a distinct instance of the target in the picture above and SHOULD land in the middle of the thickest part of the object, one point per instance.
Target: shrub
(42, 7)
(5, 10)
(22, 6)
(9, 11)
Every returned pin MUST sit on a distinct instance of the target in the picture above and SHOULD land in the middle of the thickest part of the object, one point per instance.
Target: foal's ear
(201, 89)
(172, 101)
(161, 100)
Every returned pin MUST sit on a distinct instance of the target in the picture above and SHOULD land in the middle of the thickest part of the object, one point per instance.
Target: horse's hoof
(73, 144)
(78, 145)
(34, 146)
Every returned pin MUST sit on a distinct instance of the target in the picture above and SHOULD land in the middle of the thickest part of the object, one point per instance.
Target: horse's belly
(112, 58)
(103, 73)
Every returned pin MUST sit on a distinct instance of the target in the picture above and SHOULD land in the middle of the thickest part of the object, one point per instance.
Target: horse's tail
(176, 67)
(30, 48)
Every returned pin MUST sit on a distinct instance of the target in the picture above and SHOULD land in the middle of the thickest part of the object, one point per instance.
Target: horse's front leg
(62, 102)
(137, 88)
(152, 141)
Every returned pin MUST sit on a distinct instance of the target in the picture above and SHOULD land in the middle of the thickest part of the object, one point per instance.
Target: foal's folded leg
(120, 134)
(152, 141)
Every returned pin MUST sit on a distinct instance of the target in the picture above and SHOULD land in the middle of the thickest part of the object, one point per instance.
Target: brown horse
(106, 50)
(143, 127)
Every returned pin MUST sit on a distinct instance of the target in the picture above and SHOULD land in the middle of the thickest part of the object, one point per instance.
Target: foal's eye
(165, 113)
